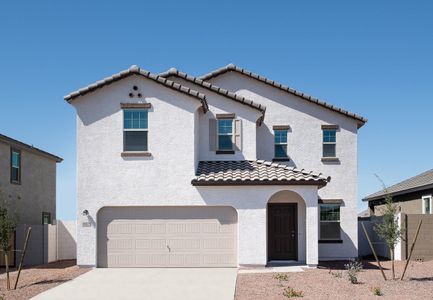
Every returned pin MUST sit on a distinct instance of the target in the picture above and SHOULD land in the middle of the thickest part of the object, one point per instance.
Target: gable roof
(30, 148)
(254, 172)
(135, 70)
(231, 67)
(416, 183)
(216, 89)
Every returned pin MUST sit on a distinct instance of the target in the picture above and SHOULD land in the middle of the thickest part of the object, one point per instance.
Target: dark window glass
(135, 130)
(329, 150)
(225, 134)
(280, 151)
(329, 142)
(135, 141)
(15, 166)
(46, 218)
(330, 222)
(280, 140)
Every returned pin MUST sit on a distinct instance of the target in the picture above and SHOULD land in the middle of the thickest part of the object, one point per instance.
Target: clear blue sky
(374, 58)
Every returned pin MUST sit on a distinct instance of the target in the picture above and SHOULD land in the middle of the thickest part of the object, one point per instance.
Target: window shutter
(212, 134)
(238, 135)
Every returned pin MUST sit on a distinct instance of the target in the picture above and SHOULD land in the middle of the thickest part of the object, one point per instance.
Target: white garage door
(167, 237)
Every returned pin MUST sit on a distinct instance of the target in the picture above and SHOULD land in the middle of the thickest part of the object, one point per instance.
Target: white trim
(329, 143)
(328, 221)
(423, 206)
(134, 129)
(232, 134)
(282, 144)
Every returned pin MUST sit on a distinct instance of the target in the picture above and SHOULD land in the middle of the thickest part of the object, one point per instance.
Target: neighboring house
(28, 181)
(227, 169)
(412, 196)
(364, 214)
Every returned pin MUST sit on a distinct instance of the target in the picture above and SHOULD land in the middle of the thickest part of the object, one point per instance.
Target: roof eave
(135, 70)
(320, 183)
(231, 67)
(399, 193)
(30, 148)
(215, 89)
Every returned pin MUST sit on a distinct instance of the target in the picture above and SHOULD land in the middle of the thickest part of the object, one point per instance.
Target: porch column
(312, 231)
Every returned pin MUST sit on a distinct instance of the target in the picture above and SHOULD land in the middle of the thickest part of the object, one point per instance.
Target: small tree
(388, 230)
(8, 225)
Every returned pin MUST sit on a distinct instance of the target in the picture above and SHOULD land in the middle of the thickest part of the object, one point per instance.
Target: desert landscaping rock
(321, 284)
(35, 280)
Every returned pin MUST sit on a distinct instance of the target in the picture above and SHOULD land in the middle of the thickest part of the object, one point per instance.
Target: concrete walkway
(150, 284)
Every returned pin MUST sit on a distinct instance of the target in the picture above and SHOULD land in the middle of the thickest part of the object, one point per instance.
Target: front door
(282, 231)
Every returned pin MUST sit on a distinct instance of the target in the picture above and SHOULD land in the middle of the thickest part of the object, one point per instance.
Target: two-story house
(27, 182)
(226, 169)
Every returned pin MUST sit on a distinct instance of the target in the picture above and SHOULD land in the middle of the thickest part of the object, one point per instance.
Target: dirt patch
(35, 280)
(321, 284)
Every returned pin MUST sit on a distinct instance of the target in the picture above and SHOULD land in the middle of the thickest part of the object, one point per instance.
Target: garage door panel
(167, 237)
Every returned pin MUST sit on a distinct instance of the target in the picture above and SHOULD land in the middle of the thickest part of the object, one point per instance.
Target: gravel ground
(35, 280)
(321, 284)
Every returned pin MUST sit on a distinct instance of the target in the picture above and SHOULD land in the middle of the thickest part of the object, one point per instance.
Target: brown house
(412, 196)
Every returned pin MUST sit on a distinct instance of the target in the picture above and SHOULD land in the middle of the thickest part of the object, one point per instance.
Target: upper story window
(280, 142)
(329, 141)
(427, 205)
(46, 218)
(330, 222)
(225, 134)
(15, 166)
(135, 130)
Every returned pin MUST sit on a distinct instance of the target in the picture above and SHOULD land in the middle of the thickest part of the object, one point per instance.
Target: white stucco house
(224, 170)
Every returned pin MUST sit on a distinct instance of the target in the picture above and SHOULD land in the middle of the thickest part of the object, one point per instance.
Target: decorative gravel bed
(35, 280)
(320, 283)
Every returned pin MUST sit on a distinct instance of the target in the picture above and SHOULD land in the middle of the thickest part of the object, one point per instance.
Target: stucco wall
(218, 105)
(37, 190)
(105, 178)
(409, 203)
(407, 207)
(305, 148)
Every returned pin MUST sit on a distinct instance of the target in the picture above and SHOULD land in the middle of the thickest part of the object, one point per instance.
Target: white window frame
(423, 201)
(232, 134)
(328, 221)
(329, 143)
(134, 129)
(286, 143)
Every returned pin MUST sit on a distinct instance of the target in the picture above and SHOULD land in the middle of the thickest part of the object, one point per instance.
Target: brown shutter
(212, 134)
(238, 135)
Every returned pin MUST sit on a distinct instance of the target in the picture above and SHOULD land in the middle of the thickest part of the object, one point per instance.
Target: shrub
(376, 291)
(337, 274)
(292, 293)
(353, 268)
(281, 277)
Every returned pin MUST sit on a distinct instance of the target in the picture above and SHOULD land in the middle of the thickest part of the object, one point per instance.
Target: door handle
(169, 250)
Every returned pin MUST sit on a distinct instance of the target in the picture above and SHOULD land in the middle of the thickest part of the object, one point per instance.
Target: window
(329, 143)
(427, 205)
(225, 134)
(330, 222)
(135, 130)
(280, 149)
(46, 218)
(15, 166)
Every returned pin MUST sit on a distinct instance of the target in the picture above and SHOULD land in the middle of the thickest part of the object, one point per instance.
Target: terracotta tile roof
(418, 182)
(216, 89)
(135, 70)
(254, 172)
(30, 148)
(232, 67)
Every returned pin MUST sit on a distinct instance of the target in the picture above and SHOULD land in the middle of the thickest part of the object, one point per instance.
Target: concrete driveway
(150, 284)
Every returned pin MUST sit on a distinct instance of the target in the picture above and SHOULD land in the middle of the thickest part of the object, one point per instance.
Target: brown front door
(282, 231)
